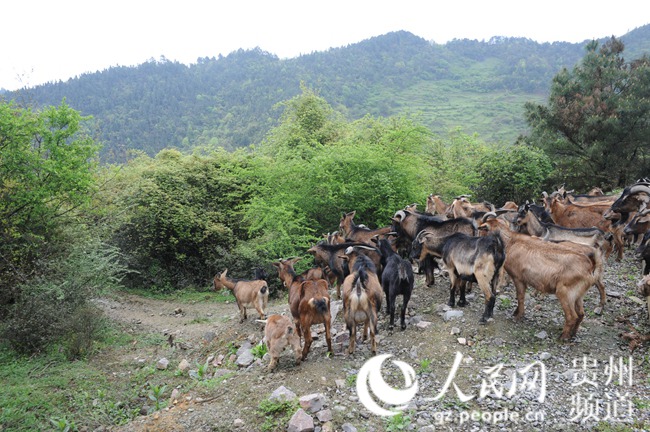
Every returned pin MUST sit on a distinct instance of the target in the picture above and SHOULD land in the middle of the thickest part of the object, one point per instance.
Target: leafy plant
(63, 425)
(398, 422)
(156, 394)
(505, 303)
(425, 365)
(259, 350)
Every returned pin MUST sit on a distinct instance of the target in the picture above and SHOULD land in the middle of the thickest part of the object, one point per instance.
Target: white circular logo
(397, 399)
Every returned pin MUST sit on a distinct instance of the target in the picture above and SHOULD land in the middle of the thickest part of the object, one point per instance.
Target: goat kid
(253, 293)
(279, 333)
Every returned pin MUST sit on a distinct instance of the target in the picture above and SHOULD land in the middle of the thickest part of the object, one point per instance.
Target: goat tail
(289, 331)
(264, 289)
(319, 304)
(361, 278)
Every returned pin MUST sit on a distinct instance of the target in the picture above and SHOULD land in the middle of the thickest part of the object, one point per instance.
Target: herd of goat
(557, 248)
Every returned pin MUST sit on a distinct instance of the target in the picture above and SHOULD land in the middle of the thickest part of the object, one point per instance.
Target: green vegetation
(229, 101)
(259, 350)
(398, 422)
(595, 126)
(73, 230)
(276, 414)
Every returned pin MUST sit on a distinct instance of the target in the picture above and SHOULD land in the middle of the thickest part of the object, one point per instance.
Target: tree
(512, 174)
(596, 125)
(47, 167)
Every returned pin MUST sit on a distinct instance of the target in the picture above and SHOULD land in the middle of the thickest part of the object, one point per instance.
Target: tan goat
(279, 333)
(549, 268)
(362, 294)
(248, 293)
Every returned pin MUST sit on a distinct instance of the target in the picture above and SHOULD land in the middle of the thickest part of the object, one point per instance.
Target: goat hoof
(462, 303)
(403, 327)
(451, 304)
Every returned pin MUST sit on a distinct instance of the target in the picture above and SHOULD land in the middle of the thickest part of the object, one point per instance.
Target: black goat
(469, 259)
(397, 279)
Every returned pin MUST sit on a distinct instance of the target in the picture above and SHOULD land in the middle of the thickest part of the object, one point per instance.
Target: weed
(201, 370)
(351, 380)
(259, 350)
(276, 414)
(425, 365)
(505, 303)
(155, 394)
(63, 425)
(398, 422)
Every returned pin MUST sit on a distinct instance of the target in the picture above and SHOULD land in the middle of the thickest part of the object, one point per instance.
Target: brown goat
(309, 303)
(549, 268)
(436, 206)
(247, 293)
(585, 216)
(279, 333)
(591, 237)
(362, 294)
(359, 233)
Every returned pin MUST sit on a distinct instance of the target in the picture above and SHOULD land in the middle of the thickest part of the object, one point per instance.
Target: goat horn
(640, 188)
(544, 194)
(401, 214)
(488, 215)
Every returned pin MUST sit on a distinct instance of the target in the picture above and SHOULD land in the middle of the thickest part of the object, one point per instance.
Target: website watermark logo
(370, 379)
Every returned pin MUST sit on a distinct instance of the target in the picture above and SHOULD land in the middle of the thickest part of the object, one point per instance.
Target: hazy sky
(51, 40)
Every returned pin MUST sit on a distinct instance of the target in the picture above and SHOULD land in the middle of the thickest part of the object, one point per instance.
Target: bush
(56, 307)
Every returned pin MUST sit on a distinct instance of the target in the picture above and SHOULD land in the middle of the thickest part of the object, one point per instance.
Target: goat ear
(224, 273)
(276, 264)
(295, 260)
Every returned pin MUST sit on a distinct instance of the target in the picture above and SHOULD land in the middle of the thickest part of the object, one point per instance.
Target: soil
(578, 373)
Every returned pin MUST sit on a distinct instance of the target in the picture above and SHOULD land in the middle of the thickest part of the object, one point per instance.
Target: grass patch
(49, 392)
(398, 422)
(186, 295)
(276, 414)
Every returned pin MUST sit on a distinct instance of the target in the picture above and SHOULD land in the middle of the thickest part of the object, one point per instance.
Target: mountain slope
(479, 86)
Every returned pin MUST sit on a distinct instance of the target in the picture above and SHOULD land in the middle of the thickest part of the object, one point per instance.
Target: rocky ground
(511, 376)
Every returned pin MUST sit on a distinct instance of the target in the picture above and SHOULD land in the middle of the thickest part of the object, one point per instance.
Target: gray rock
(324, 416)
(455, 330)
(541, 335)
(245, 358)
(246, 346)
(301, 422)
(238, 423)
(313, 402)
(162, 364)
(451, 314)
(347, 427)
(282, 394)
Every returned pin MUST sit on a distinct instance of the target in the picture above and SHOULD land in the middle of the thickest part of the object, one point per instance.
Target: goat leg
(402, 317)
(328, 334)
(489, 309)
(462, 302)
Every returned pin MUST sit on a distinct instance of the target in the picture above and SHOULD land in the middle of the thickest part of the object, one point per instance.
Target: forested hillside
(478, 86)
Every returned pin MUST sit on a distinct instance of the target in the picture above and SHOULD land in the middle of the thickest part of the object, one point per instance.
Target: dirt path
(207, 328)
